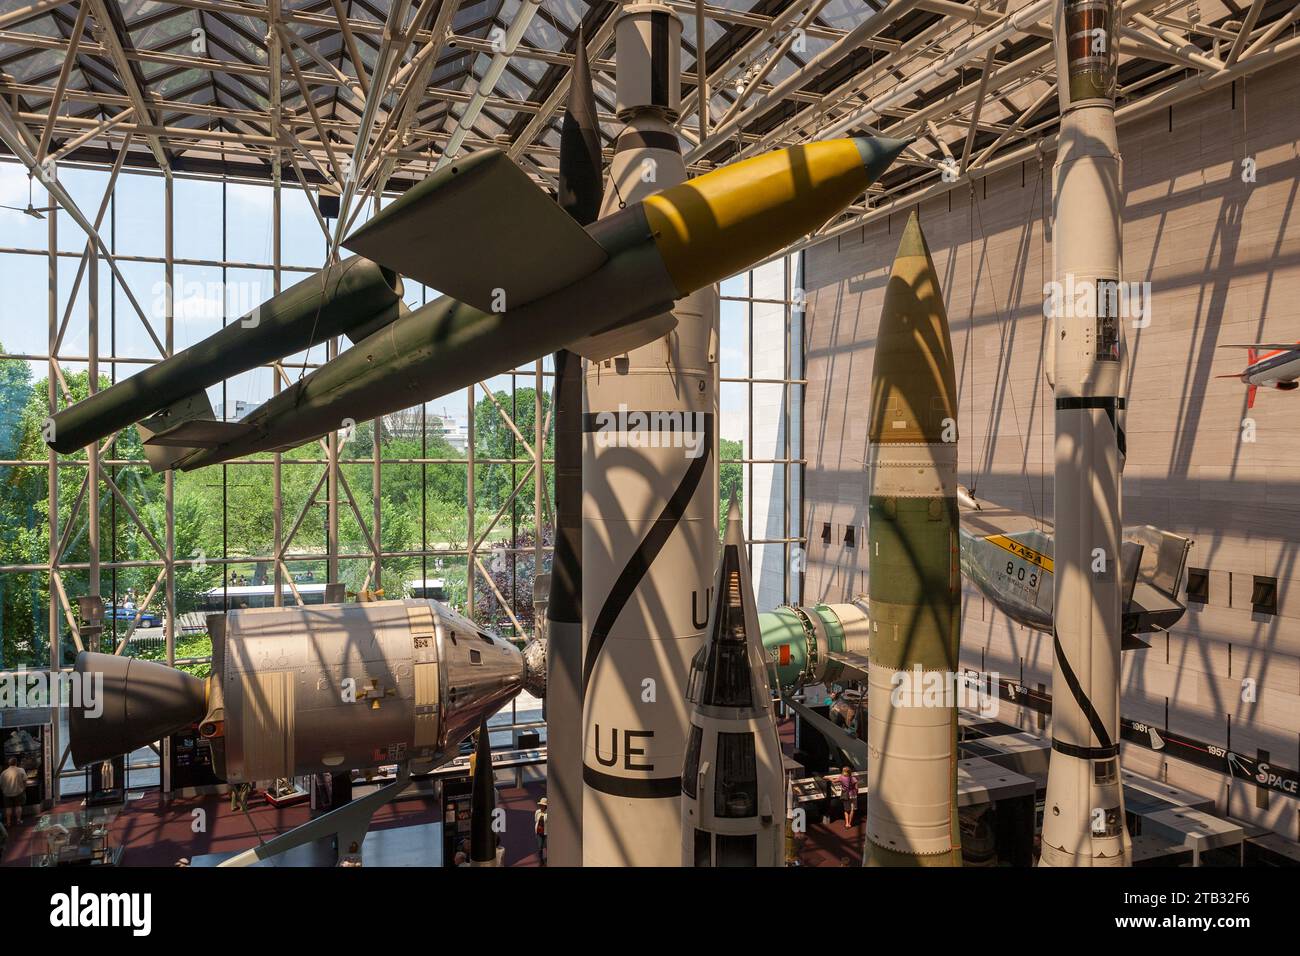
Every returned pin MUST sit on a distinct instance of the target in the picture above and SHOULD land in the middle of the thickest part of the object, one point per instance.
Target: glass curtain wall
(762, 336)
(436, 501)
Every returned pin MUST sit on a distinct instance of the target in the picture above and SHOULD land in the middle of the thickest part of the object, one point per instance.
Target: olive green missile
(914, 573)
(523, 279)
(354, 297)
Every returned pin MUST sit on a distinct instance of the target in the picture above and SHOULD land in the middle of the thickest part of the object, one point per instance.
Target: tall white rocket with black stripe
(649, 503)
(1083, 816)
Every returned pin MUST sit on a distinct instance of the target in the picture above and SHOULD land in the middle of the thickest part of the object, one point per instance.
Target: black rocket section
(582, 186)
(482, 841)
(581, 190)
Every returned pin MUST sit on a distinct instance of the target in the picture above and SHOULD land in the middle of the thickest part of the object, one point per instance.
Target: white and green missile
(914, 573)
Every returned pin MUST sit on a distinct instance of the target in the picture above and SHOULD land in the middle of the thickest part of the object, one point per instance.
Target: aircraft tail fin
(181, 429)
(480, 231)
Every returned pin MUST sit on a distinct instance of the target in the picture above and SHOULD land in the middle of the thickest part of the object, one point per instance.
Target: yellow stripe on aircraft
(1022, 552)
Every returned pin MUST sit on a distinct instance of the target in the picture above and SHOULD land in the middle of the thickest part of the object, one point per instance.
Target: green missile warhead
(914, 385)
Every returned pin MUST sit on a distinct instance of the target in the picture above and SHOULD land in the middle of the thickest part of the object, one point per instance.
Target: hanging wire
(1003, 332)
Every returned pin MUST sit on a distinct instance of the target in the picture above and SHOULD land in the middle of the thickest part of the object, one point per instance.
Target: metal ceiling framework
(364, 96)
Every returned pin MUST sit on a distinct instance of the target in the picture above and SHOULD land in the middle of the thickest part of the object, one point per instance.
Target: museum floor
(154, 835)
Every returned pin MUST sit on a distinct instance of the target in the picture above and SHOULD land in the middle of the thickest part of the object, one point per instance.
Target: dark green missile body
(354, 297)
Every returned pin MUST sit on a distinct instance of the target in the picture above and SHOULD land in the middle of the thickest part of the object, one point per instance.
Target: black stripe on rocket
(639, 563)
(1110, 405)
(1080, 698)
(659, 59)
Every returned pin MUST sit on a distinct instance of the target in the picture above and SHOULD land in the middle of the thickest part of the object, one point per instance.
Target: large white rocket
(649, 503)
(1083, 816)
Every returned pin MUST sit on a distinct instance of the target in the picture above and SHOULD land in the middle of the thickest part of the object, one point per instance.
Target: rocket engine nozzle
(134, 703)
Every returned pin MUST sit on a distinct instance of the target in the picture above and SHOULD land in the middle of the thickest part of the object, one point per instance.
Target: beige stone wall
(1223, 260)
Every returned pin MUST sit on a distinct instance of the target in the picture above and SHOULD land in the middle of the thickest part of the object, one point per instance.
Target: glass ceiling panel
(471, 13)
(533, 69)
(543, 34)
(512, 86)
(136, 10)
(34, 66)
(158, 34)
(45, 27)
(712, 33)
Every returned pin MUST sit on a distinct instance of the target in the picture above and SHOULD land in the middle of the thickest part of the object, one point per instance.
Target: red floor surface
(154, 834)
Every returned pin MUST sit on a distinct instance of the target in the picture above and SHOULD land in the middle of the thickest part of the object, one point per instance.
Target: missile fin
(198, 434)
(161, 453)
(481, 232)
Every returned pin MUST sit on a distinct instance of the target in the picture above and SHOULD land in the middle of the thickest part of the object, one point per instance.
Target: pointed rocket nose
(879, 152)
(735, 529)
(482, 801)
(913, 242)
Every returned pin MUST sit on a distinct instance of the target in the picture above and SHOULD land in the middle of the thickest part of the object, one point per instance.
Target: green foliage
(228, 511)
(187, 646)
(494, 439)
(731, 480)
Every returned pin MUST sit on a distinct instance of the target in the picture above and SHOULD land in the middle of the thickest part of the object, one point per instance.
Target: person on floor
(849, 794)
(13, 786)
(539, 827)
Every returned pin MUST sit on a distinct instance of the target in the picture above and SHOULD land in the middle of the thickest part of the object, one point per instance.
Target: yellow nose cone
(715, 225)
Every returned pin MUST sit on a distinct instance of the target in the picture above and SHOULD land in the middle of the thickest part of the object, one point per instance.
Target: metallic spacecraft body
(1083, 817)
(806, 645)
(303, 690)
(914, 574)
(733, 786)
